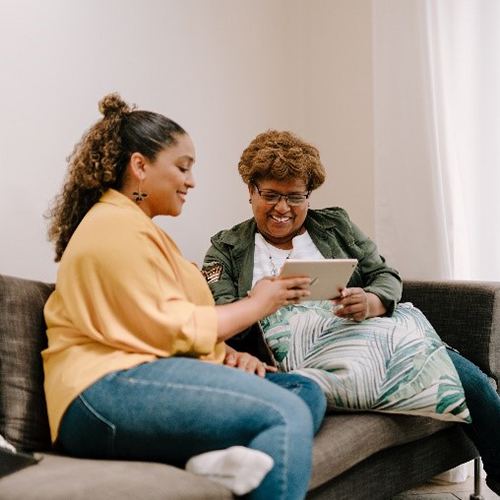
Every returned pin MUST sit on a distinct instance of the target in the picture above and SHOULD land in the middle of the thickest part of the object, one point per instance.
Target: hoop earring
(139, 195)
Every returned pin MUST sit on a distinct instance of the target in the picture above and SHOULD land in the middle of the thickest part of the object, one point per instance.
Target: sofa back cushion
(23, 412)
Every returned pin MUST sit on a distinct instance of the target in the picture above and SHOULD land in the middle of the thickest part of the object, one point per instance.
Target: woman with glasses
(281, 171)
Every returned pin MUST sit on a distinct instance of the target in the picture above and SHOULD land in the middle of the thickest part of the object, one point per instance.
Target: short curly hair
(281, 155)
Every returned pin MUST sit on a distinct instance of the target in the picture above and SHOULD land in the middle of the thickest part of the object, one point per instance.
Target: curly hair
(99, 162)
(281, 155)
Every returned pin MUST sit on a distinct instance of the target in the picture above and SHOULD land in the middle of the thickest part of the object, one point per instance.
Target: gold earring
(139, 195)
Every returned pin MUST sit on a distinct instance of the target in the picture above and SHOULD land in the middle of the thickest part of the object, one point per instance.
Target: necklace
(274, 270)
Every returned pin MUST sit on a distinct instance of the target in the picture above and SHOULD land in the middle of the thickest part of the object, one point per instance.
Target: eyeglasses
(273, 198)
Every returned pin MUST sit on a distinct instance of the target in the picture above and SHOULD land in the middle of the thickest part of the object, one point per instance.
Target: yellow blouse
(124, 296)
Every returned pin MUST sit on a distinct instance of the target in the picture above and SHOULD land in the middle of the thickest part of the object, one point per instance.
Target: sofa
(356, 455)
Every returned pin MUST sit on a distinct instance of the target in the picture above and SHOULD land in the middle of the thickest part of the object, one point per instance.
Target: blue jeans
(172, 409)
(484, 407)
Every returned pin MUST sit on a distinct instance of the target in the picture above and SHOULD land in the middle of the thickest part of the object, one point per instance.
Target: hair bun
(113, 104)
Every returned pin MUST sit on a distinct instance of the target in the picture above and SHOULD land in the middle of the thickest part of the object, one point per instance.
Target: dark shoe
(493, 484)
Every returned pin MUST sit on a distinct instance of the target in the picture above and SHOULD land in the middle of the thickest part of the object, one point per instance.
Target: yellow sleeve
(128, 288)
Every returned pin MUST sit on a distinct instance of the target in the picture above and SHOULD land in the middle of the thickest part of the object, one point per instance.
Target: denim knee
(307, 389)
(477, 386)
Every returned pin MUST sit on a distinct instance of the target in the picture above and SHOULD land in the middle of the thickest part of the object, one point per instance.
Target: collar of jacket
(322, 226)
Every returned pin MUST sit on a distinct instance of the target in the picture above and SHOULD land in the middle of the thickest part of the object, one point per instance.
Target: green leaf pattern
(396, 365)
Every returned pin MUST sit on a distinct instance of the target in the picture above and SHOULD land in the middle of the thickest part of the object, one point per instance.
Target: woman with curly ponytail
(99, 161)
(134, 367)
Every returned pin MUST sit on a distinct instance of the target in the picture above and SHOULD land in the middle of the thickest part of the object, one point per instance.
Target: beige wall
(225, 70)
(338, 114)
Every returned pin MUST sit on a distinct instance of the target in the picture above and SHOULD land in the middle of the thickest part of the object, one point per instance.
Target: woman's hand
(246, 362)
(356, 304)
(273, 293)
(265, 298)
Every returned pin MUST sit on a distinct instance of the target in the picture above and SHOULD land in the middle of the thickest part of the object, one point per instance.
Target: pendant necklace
(274, 269)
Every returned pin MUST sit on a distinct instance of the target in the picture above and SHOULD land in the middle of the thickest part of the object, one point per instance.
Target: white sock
(6, 445)
(238, 468)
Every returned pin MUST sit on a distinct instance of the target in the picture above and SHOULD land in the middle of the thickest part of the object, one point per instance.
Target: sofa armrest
(466, 315)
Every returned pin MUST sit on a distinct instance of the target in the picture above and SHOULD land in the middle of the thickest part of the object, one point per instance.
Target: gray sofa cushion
(11, 461)
(23, 413)
(63, 478)
(359, 435)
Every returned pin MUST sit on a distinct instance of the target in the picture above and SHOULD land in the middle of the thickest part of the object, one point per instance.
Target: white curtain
(437, 140)
(437, 136)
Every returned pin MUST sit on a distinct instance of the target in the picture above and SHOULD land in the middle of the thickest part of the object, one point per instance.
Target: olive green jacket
(228, 264)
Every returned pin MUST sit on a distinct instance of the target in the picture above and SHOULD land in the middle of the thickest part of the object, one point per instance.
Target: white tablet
(328, 276)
